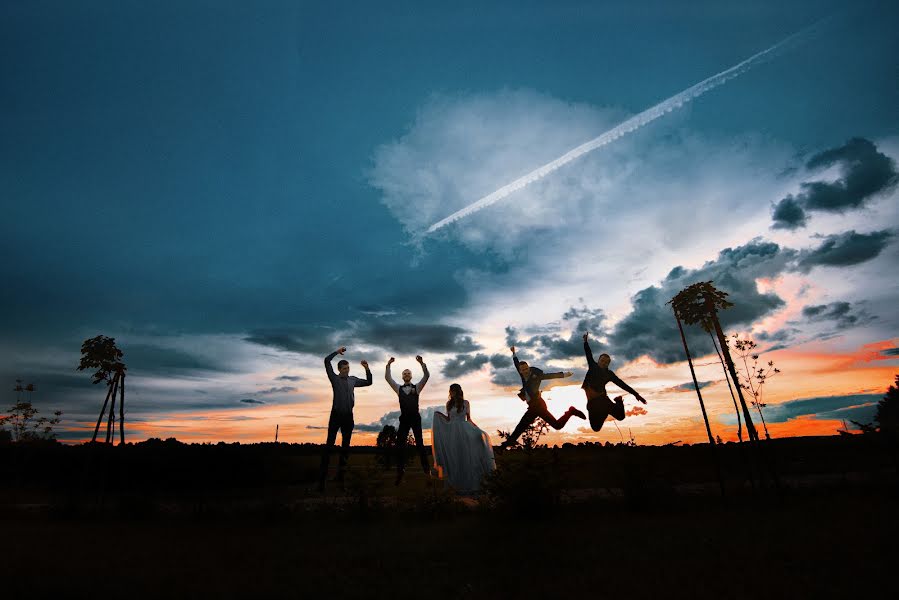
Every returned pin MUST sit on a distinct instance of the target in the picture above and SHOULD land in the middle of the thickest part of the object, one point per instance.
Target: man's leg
(543, 413)
(526, 419)
(346, 434)
(616, 408)
(598, 409)
(333, 426)
(420, 444)
(401, 435)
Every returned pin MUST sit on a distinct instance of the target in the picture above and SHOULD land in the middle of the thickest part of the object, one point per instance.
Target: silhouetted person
(530, 393)
(599, 406)
(343, 385)
(410, 418)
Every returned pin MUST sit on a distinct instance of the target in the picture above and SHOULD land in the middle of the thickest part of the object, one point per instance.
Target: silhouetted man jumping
(530, 393)
(342, 404)
(598, 375)
(410, 418)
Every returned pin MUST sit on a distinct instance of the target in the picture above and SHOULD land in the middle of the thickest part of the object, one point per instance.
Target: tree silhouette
(699, 304)
(101, 353)
(386, 444)
(886, 419)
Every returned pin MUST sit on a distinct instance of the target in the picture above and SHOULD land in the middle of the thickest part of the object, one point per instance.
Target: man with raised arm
(342, 384)
(410, 418)
(598, 375)
(530, 393)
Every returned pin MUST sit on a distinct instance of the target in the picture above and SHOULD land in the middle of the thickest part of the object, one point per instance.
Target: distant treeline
(159, 465)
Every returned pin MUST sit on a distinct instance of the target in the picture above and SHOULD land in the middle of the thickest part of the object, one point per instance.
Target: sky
(233, 190)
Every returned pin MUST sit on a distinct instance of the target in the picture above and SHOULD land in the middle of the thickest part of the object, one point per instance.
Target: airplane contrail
(637, 121)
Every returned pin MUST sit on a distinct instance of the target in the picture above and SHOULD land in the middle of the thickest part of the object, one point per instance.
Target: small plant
(24, 420)
(531, 436)
(754, 377)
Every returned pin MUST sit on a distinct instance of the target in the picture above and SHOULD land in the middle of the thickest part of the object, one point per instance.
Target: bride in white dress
(463, 454)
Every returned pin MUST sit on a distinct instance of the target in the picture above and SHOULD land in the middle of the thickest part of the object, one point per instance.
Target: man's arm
(393, 384)
(591, 362)
(427, 374)
(368, 380)
(329, 358)
(617, 381)
(558, 375)
(514, 358)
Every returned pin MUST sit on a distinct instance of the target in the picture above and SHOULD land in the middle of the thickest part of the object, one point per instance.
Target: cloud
(315, 340)
(551, 346)
(687, 387)
(636, 412)
(252, 401)
(406, 337)
(650, 329)
(845, 249)
(789, 214)
(855, 407)
(865, 172)
(149, 359)
(288, 378)
(890, 352)
(462, 364)
(840, 313)
(278, 390)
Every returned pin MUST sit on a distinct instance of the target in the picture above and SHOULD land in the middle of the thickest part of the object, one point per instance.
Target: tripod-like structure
(102, 354)
(699, 304)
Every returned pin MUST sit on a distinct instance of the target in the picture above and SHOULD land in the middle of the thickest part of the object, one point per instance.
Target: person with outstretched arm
(410, 417)
(343, 385)
(599, 406)
(531, 377)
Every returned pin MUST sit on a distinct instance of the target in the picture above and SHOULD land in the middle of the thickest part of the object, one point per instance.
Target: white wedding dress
(463, 454)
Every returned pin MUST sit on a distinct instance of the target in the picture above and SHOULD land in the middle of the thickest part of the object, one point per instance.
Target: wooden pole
(103, 410)
(122, 412)
(722, 341)
(705, 416)
(115, 389)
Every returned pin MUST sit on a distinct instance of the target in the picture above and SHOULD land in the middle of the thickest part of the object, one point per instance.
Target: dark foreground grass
(832, 543)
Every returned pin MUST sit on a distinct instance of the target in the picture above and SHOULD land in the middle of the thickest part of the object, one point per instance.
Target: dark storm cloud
(789, 214)
(318, 341)
(252, 401)
(415, 338)
(838, 313)
(865, 172)
(650, 329)
(890, 352)
(288, 378)
(462, 364)
(148, 359)
(552, 346)
(845, 249)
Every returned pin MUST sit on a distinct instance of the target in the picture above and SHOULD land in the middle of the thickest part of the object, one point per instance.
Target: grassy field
(198, 521)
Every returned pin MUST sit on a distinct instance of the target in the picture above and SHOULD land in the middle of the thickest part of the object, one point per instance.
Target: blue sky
(231, 189)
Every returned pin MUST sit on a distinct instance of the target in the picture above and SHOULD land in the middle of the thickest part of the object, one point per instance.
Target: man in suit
(410, 418)
(343, 385)
(530, 393)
